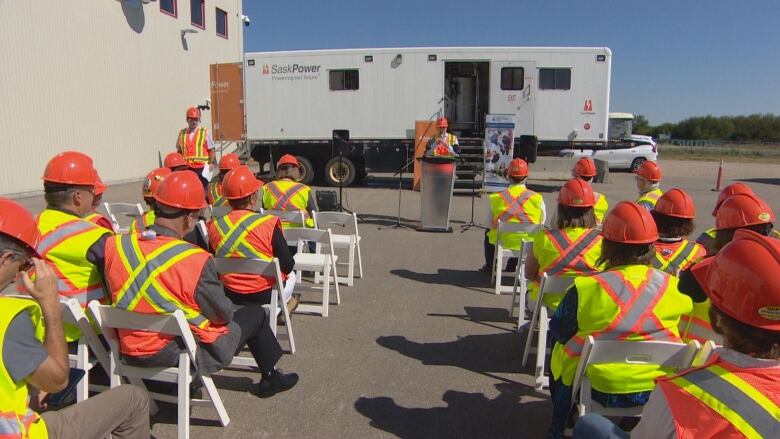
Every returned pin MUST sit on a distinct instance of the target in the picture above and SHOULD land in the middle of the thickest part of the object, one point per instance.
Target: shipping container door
(512, 92)
(227, 102)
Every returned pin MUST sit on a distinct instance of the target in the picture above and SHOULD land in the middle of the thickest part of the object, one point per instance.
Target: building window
(344, 79)
(222, 23)
(168, 7)
(512, 78)
(198, 12)
(554, 79)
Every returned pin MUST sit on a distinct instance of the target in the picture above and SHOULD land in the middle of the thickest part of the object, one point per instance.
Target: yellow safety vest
(65, 239)
(572, 252)
(696, 325)
(195, 152)
(146, 221)
(632, 302)
(514, 205)
(288, 195)
(686, 254)
(215, 194)
(649, 198)
(17, 420)
(601, 207)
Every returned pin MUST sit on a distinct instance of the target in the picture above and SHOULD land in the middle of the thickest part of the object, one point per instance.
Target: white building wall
(104, 78)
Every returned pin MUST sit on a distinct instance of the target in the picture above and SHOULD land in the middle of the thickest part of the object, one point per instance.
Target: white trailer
(295, 100)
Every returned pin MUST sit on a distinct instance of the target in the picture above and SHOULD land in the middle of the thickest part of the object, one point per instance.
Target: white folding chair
(675, 356)
(277, 305)
(288, 216)
(318, 262)
(203, 230)
(350, 241)
(89, 341)
(217, 211)
(503, 254)
(519, 286)
(110, 319)
(704, 353)
(541, 321)
(117, 210)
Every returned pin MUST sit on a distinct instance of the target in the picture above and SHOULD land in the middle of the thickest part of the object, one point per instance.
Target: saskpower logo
(292, 72)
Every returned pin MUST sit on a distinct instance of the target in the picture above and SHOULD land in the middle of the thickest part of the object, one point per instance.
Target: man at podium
(444, 144)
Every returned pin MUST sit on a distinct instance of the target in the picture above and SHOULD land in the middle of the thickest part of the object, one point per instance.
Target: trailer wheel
(306, 170)
(343, 171)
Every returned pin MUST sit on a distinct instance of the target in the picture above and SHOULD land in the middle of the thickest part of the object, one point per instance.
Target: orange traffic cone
(720, 176)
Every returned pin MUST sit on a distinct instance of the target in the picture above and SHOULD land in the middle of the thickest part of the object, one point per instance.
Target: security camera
(246, 20)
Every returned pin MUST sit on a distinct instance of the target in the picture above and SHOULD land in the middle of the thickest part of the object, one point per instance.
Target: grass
(740, 153)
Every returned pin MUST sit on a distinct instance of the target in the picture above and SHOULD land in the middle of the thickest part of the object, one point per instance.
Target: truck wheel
(306, 170)
(637, 163)
(343, 171)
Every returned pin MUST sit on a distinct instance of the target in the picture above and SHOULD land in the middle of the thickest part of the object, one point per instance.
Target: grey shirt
(22, 352)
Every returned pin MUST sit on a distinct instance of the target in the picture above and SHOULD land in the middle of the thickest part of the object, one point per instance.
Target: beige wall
(101, 77)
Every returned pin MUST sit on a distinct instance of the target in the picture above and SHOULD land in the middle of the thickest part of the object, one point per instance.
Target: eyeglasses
(27, 262)
(287, 167)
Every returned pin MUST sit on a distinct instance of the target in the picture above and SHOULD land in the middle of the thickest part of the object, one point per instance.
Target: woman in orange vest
(736, 393)
(673, 214)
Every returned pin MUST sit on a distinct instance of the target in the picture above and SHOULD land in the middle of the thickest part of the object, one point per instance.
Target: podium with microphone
(437, 182)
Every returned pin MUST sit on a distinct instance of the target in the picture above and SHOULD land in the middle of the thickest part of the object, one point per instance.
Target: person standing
(673, 214)
(286, 193)
(648, 179)
(585, 170)
(226, 164)
(444, 144)
(195, 145)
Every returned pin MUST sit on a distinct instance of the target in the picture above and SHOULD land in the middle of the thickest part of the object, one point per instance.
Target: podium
(436, 184)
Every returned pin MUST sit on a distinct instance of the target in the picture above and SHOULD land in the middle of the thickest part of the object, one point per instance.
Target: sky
(671, 59)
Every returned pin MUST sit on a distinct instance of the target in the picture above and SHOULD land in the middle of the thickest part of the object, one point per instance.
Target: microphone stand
(400, 174)
(471, 222)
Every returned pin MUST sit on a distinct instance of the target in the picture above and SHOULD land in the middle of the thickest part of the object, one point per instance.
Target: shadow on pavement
(482, 316)
(774, 181)
(387, 220)
(466, 415)
(472, 280)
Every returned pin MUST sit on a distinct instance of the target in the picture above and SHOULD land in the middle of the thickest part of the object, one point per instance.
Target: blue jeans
(595, 426)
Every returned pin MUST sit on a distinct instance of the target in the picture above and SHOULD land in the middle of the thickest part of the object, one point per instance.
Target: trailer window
(222, 23)
(344, 79)
(168, 7)
(554, 79)
(512, 78)
(198, 13)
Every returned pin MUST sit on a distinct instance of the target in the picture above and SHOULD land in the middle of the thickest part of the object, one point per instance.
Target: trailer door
(511, 92)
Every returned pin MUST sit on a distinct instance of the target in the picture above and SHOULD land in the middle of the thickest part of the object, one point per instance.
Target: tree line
(754, 127)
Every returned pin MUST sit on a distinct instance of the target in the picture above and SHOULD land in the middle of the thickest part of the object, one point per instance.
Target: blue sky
(671, 59)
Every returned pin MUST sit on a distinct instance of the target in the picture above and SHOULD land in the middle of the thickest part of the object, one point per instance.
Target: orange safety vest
(100, 220)
(673, 257)
(244, 234)
(146, 221)
(723, 400)
(156, 275)
(288, 195)
(216, 198)
(194, 148)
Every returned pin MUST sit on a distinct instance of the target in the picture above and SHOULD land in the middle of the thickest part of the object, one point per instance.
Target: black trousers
(257, 336)
(490, 254)
(238, 299)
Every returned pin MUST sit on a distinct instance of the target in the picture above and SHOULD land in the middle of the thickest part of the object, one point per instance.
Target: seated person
(736, 393)
(286, 193)
(673, 214)
(707, 238)
(630, 300)
(151, 183)
(585, 170)
(226, 164)
(94, 216)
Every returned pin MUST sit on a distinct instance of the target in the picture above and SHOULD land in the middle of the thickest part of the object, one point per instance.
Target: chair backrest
(554, 284)
(290, 216)
(294, 235)
(324, 220)
(73, 314)
(204, 231)
(122, 210)
(508, 227)
(249, 266)
(704, 353)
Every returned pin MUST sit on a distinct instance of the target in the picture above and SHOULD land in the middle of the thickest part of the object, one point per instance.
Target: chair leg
(184, 397)
(336, 283)
(360, 261)
(351, 270)
(529, 337)
(211, 389)
(326, 290)
(498, 269)
(541, 347)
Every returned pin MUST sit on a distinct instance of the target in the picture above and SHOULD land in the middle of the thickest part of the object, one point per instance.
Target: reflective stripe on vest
(232, 237)
(696, 325)
(215, 191)
(676, 260)
(650, 197)
(636, 306)
(143, 272)
(571, 254)
(745, 407)
(65, 231)
(146, 220)
(283, 200)
(515, 207)
(194, 151)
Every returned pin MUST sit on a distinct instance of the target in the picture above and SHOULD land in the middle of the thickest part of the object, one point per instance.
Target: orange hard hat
(173, 160)
(629, 223)
(153, 180)
(287, 159)
(576, 193)
(442, 122)
(742, 210)
(100, 187)
(229, 161)
(71, 167)
(193, 113)
(649, 171)
(732, 189)
(585, 167)
(742, 281)
(518, 168)
(240, 183)
(18, 223)
(675, 202)
(182, 190)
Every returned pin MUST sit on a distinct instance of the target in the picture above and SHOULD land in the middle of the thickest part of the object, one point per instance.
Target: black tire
(637, 163)
(306, 170)
(346, 173)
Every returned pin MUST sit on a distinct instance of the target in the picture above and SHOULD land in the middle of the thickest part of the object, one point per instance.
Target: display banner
(499, 146)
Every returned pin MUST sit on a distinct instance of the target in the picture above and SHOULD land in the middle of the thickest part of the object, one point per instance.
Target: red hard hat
(240, 183)
(100, 187)
(585, 167)
(675, 202)
(732, 189)
(287, 159)
(18, 223)
(649, 171)
(576, 193)
(228, 162)
(173, 160)
(742, 210)
(182, 190)
(193, 113)
(442, 122)
(518, 168)
(742, 281)
(629, 223)
(71, 167)
(153, 180)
